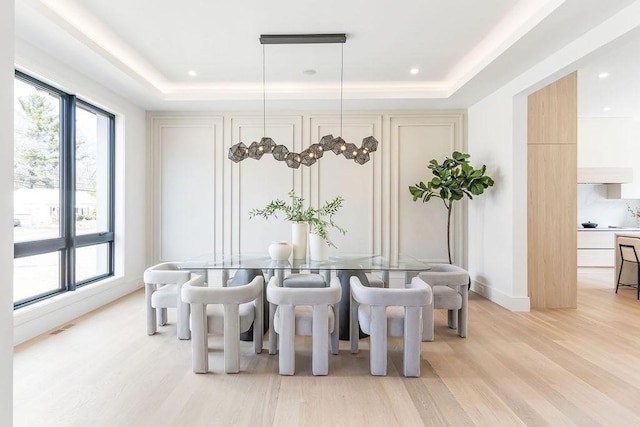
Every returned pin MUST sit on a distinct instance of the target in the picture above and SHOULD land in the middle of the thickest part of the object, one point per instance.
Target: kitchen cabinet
(596, 247)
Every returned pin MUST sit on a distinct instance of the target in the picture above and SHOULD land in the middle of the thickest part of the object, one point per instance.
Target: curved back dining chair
(389, 311)
(162, 286)
(450, 286)
(305, 311)
(223, 310)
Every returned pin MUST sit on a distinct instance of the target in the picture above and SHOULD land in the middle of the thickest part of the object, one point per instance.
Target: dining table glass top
(365, 262)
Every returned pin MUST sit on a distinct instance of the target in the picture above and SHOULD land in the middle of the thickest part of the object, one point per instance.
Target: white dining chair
(305, 311)
(450, 286)
(162, 286)
(223, 310)
(389, 311)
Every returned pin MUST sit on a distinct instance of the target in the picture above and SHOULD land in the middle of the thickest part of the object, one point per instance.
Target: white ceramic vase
(279, 251)
(299, 231)
(318, 248)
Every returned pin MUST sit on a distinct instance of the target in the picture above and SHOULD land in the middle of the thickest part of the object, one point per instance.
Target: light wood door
(552, 195)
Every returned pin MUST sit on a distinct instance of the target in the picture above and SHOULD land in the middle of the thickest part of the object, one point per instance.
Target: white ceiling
(464, 49)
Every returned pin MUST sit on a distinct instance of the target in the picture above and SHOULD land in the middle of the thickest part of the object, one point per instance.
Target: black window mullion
(68, 190)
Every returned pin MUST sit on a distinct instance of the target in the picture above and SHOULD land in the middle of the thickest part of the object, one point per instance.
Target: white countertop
(616, 229)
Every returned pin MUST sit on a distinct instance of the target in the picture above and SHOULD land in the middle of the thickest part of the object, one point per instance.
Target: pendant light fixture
(309, 156)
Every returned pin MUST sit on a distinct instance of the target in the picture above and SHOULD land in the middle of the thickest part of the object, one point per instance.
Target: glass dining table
(344, 265)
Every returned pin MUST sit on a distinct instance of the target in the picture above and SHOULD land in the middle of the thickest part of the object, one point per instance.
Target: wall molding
(373, 189)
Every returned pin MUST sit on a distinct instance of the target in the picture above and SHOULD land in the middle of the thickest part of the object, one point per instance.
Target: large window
(63, 192)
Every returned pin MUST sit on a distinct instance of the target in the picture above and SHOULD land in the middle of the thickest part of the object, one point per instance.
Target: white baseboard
(38, 318)
(509, 302)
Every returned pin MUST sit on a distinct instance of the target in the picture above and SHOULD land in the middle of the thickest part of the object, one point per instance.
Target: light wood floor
(554, 367)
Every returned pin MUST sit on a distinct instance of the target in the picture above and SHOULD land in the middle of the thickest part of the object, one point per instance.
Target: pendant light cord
(341, 82)
(264, 96)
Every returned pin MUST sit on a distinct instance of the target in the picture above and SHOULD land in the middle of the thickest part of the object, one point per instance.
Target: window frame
(68, 241)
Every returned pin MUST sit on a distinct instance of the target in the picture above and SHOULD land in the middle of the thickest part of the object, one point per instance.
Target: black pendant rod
(302, 38)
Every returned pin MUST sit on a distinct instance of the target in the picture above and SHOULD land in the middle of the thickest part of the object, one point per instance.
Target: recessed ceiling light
(309, 72)
(414, 71)
(192, 73)
(603, 75)
(606, 109)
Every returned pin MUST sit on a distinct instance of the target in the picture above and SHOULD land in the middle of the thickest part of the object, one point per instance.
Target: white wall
(201, 199)
(6, 212)
(130, 197)
(497, 133)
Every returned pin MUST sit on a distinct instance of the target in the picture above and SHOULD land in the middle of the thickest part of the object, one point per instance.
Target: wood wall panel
(552, 113)
(552, 195)
(552, 241)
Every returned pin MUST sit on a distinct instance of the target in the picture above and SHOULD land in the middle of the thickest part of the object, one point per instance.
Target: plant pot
(318, 248)
(279, 251)
(299, 231)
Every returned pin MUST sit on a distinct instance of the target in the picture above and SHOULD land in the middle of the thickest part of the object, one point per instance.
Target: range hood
(605, 175)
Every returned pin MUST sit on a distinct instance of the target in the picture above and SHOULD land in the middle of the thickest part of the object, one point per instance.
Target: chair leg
(427, 322)
(273, 340)
(199, 343)
(354, 326)
(320, 340)
(335, 334)
(638, 281)
(231, 338)
(151, 311)
(463, 312)
(412, 342)
(286, 337)
(619, 274)
(161, 316)
(452, 319)
(378, 340)
(184, 333)
(258, 327)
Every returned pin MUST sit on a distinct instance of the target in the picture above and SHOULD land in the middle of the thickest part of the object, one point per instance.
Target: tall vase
(318, 248)
(299, 231)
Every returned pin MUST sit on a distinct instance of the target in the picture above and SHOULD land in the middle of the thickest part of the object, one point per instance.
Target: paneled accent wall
(201, 199)
(552, 195)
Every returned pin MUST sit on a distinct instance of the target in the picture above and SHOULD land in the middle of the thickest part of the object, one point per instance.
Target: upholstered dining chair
(629, 255)
(450, 286)
(389, 311)
(162, 286)
(367, 279)
(305, 311)
(223, 310)
(242, 277)
(296, 279)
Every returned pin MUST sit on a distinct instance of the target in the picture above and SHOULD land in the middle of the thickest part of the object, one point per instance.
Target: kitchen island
(596, 246)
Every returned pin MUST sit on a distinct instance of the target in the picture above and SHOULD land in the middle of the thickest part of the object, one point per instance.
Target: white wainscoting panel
(257, 182)
(420, 228)
(185, 186)
(358, 184)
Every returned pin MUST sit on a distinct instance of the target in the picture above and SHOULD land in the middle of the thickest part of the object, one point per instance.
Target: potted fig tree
(453, 179)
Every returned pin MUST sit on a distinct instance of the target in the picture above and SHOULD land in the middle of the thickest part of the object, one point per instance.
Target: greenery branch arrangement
(319, 219)
(453, 179)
